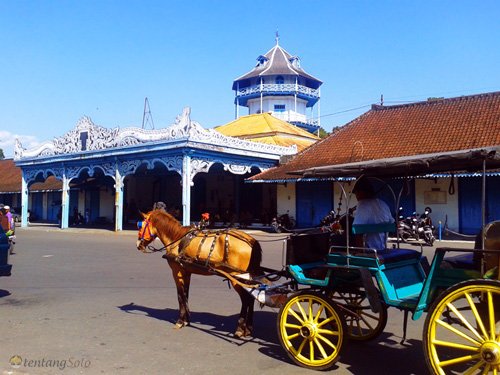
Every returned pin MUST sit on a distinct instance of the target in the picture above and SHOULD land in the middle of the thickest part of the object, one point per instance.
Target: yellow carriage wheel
(362, 324)
(310, 329)
(462, 330)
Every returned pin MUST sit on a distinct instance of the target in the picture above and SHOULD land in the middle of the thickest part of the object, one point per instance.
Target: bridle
(145, 234)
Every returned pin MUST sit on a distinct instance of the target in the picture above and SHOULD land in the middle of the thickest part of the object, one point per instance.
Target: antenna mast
(147, 117)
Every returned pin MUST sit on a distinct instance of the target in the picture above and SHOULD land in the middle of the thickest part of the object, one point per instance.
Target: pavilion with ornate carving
(110, 174)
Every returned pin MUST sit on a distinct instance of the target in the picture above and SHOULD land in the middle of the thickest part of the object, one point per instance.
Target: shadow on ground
(384, 355)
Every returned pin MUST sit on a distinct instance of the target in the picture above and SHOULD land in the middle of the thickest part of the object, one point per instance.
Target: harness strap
(212, 247)
(198, 253)
(226, 247)
(186, 240)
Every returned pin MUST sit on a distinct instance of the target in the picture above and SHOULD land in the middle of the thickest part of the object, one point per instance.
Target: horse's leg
(245, 320)
(182, 279)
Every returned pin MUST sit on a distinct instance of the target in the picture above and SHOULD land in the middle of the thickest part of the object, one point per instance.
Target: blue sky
(61, 60)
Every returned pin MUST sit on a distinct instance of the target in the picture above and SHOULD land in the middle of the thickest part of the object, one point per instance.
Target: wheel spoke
(474, 368)
(291, 337)
(318, 314)
(296, 316)
(300, 348)
(327, 341)
(367, 322)
(457, 332)
(320, 347)
(476, 315)
(491, 312)
(328, 320)
(290, 325)
(301, 310)
(448, 344)
(486, 369)
(372, 316)
(328, 332)
(464, 320)
(310, 314)
(458, 360)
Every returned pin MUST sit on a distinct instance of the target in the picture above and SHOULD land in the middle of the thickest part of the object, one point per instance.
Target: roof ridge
(378, 107)
(271, 61)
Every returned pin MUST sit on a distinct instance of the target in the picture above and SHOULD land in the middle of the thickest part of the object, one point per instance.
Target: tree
(323, 133)
(2, 156)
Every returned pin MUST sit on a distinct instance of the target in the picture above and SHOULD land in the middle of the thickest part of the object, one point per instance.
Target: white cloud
(8, 139)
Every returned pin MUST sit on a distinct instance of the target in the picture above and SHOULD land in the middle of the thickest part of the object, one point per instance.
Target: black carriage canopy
(474, 160)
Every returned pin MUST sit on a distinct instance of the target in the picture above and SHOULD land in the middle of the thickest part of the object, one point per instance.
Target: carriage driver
(370, 210)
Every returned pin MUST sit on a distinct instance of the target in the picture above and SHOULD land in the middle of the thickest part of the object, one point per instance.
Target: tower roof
(278, 61)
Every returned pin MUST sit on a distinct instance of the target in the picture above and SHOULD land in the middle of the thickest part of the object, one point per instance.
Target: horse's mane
(166, 223)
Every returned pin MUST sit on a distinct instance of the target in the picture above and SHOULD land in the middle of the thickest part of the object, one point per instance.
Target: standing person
(4, 222)
(370, 210)
(12, 225)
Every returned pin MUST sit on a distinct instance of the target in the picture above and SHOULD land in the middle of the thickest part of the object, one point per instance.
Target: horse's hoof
(243, 332)
(239, 333)
(179, 324)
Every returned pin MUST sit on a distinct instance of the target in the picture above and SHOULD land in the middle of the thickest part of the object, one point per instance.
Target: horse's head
(147, 233)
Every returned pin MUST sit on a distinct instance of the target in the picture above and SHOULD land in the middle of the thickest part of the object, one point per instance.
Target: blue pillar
(24, 201)
(118, 201)
(186, 190)
(65, 202)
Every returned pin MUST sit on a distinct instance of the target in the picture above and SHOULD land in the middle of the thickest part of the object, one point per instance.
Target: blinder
(145, 233)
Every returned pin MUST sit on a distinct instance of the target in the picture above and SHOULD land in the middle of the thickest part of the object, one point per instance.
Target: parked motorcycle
(425, 227)
(283, 223)
(416, 227)
(407, 226)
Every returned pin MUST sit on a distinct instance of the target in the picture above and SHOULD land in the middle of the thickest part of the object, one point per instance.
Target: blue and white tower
(278, 85)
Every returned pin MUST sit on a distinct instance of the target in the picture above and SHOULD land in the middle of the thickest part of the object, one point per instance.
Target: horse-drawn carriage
(330, 293)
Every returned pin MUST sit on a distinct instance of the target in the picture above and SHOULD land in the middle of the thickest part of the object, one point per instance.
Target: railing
(284, 88)
(291, 116)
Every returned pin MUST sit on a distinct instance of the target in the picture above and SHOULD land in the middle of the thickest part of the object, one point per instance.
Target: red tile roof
(425, 127)
(10, 179)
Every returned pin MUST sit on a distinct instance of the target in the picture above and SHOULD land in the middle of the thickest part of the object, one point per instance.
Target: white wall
(285, 201)
(439, 210)
(268, 103)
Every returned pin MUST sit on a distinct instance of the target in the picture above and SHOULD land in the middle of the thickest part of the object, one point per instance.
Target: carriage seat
(385, 256)
(472, 261)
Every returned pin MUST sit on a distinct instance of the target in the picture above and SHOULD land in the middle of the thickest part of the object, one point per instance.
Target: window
(279, 108)
(280, 80)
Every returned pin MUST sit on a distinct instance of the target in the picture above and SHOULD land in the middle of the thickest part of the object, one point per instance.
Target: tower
(278, 85)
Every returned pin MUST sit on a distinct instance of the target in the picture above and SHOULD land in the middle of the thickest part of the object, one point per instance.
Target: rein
(153, 249)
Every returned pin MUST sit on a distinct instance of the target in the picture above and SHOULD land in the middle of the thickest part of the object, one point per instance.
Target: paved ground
(87, 302)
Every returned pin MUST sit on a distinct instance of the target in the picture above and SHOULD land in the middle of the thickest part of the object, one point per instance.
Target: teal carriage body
(345, 291)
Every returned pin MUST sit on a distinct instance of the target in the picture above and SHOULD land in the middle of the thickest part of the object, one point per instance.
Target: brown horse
(188, 250)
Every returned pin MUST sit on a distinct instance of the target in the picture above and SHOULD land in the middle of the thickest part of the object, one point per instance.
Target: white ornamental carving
(87, 137)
